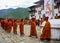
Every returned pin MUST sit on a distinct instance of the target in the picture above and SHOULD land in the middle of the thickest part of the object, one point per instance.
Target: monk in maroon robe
(46, 33)
(21, 26)
(2, 24)
(9, 26)
(33, 31)
(15, 25)
(6, 24)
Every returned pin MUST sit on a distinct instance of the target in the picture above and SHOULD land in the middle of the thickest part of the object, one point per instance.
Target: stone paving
(13, 38)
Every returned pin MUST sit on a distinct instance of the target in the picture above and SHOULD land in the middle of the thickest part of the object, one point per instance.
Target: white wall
(29, 16)
(37, 13)
(42, 12)
(55, 11)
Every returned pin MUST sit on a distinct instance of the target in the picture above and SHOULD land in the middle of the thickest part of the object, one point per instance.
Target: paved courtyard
(13, 38)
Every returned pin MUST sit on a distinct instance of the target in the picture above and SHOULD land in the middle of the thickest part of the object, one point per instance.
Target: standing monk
(2, 24)
(15, 24)
(9, 26)
(46, 33)
(21, 25)
(6, 24)
(33, 31)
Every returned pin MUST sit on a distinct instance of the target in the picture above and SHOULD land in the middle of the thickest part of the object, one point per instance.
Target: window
(39, 12)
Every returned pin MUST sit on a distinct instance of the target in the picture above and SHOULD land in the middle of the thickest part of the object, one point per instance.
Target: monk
(6, 24)
(15, 24)
(21, 26)
(46, 33)
(9, 28)
(33, 31)
(56, 17)
(2, 24)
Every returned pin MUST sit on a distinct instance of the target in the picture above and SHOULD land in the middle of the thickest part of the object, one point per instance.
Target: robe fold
(15, 27)
(33, 31)
(21, 28)
(9, 26)
(46, 32)
(5, 25)
(2, 24)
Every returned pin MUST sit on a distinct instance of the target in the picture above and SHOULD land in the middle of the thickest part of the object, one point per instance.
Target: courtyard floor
(13, 38)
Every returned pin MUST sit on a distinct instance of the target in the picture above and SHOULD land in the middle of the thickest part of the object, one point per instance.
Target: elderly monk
(46, 32)
(33, 31)
(9, 26)
(15, 24)
(21, 26)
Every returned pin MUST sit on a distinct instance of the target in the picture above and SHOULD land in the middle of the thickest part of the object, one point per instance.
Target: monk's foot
(47, 39)
(41, 39)
(8, 32)
(15, 33)
(58, 39)
(36, 37)
(30, 36)
(20, 34)
(23, 34)
(5, 30)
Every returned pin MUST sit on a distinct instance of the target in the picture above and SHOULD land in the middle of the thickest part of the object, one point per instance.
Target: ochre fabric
(9, 26)
(6, 24)
(2, 24)
(21, 25)
(33, 31)
(46, 33)
(15, 27)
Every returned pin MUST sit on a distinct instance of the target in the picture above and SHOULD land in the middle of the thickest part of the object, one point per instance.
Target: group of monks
(8, 24)
(46, 32)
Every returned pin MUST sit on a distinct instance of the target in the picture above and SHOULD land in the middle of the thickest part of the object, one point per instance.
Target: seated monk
(46, 32)
(33, 31)
(21, 26)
